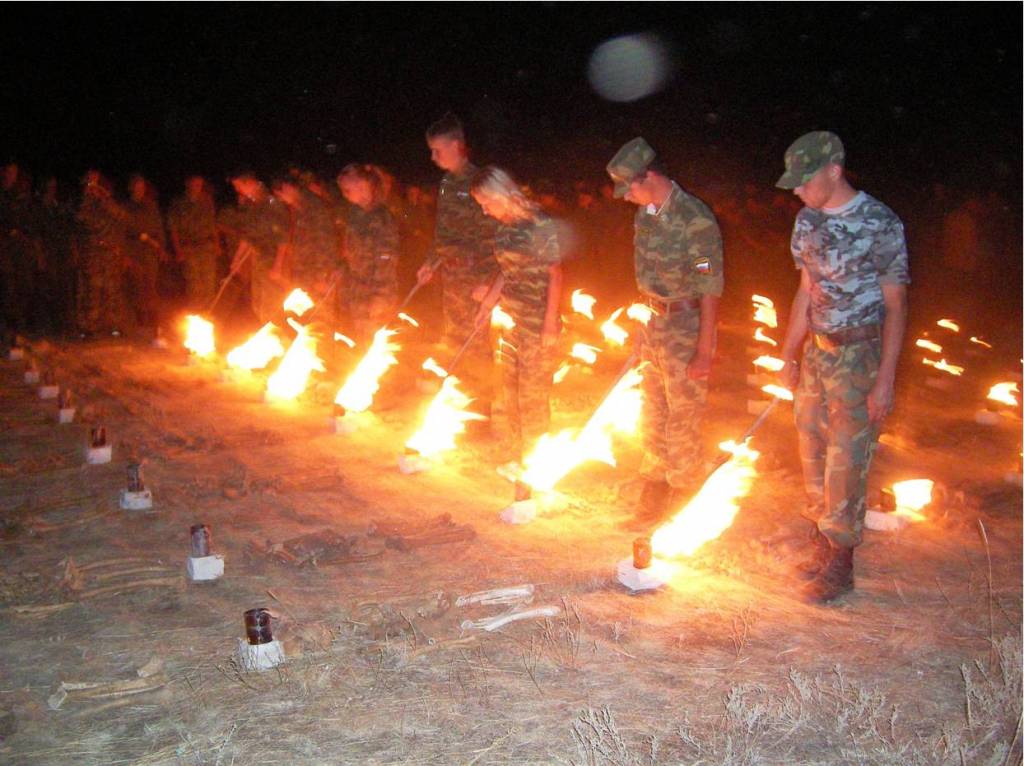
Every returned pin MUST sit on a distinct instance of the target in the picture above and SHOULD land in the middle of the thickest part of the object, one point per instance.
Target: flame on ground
(291, 376)
(431, 366)
(257, 352)
(935, 348)
(582, 303)
(764, 311)
(943, 366)
(949, 324)
(912, 496)
(199, 336)
(762, 338)
(356, 395)
(778, 392)
(556, 455)
(298, 302)
(344, 339)
(712, 510)
(561, 372)
(612, 332)
(584, 353)
(980, 342)
(408, 319)
(1004, 392)
(501, 319)
(770, 363)
(445, 419)
(640, 312)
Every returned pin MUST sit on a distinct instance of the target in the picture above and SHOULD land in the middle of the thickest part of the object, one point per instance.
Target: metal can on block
(257, 626)
(642, 553)
(200, 540)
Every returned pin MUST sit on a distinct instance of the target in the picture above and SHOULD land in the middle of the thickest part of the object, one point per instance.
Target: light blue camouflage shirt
(849, 253)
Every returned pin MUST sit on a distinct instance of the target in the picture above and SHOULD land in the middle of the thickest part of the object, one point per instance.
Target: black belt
(830, 341)
(665, 307)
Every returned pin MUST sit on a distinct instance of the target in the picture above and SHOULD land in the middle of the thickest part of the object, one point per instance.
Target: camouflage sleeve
(796, 243)
(704, 250)
(548, 248)
(890, 253)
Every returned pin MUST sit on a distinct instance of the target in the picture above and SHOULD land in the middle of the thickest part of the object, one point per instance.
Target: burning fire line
(943, 366)
(770, 363)
(555, 456)
(582, 303)
(290, 378)
(356, 395)
(612, 332)
(762, 338)
(298, 302)
(948, 324)
(199, 336)
(927, 345)
(561, 372)
(912, 496)
(980, 342)
(338, 337)
(501, 319)
(640, 312)
(1004, 393)
(764, 311)
(445, 418)
(585, 353)
(257, 352)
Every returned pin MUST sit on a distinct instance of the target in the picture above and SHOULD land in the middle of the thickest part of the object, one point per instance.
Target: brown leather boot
(835, 578)
(820, 554)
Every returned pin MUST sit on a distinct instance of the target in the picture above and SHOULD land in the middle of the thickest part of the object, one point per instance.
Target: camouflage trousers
(459, 310)
(526, 370)
(836, 439)
(673, 407)
(199, 264)
(267, 296)
(101, 304)
(140, 287)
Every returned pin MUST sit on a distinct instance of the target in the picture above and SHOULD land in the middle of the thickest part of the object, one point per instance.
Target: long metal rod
(231, 274)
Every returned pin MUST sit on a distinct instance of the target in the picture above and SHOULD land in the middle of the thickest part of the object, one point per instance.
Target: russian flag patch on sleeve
(702, 265)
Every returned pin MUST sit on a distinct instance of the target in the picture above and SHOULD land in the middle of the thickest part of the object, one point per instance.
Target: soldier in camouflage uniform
(315, 262)
(463, 249)
(262, 227)
(101, 304)
(146, 247)
(678, 259)
(371, 248)
(849, 314)
(192, 220)
(529, 287)
(16, 271)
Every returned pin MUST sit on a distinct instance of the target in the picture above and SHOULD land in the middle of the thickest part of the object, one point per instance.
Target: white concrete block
(255, 657)
(651, 578)
(31, 377)
(99, 455)
(415, 463)
(136, 501)
(15, 354)
(49, 392)
(66, 415)
(520, 512)
(202, 568)
(884, 522)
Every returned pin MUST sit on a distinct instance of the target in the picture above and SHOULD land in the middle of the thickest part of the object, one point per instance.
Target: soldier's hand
(789, 375)
(880, 400)
(699, 367)
(425, 274)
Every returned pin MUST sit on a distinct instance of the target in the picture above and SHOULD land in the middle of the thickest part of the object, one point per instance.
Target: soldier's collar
(650, 209)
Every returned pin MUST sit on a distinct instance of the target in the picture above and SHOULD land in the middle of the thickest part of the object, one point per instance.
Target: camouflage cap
(629, 162)
(809, 154)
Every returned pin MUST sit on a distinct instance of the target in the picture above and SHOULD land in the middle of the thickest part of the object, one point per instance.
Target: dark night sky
(919, 92)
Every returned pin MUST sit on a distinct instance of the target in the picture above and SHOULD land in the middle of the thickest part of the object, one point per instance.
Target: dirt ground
(921, 664)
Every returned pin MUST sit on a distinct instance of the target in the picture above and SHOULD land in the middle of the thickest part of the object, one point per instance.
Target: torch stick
(231, 274)
(476, 330)
(331, 287)
(416, 287)
(748, 433)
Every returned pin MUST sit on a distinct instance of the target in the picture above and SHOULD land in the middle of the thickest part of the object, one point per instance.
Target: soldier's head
(10, 175)
(138, 187)
(195, 187)
(287, 190)
(360, 185)
(447, 142)
(814, 168)
(94, 183)
(500, 197)
(639, 177)
(248, 186)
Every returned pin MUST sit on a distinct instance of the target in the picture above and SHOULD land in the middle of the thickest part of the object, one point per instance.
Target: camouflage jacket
(678, 249)
(264, 225)
(195, 223)
(315, 241)
(102, 225)
(849, 253)
(371, 249)
(463, 232)
(143, 218)
(525, 251)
